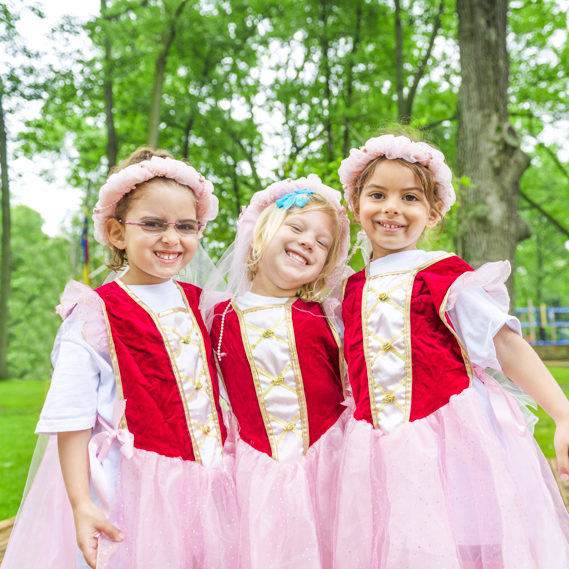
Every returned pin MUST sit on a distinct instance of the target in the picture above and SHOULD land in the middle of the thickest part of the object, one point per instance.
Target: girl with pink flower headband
(142, 479)
(280, 360)
(439, 468)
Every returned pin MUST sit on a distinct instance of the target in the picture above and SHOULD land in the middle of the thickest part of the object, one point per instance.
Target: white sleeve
(477, 318)
(82, 383)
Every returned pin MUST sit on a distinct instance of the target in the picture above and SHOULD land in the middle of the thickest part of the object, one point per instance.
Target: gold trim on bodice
(268, 338)
(386, 332)
(184, 344)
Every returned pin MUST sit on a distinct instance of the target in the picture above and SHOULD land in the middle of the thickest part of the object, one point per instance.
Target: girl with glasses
(134, 396)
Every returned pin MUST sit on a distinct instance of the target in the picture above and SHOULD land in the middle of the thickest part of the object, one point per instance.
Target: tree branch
(423, 66)
(548, 216)
(555, 159)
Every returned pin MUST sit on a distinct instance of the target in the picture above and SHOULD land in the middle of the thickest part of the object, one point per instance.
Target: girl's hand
(561, 443)
(90, 522)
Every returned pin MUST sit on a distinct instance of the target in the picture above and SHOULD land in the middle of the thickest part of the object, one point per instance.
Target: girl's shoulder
(77, 294)
(86, 306)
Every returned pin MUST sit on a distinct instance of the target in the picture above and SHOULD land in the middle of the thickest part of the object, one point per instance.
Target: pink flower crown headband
(125, 180)
(393, 147)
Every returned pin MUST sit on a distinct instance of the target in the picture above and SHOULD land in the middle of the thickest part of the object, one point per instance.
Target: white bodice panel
(187, 351)
(385, 318)
(268, 338)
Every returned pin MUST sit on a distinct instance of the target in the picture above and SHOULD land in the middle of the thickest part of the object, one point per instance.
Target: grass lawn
(21, 402)
(545, 428)
(20, 405)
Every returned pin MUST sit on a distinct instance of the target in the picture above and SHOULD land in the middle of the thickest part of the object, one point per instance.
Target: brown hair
(118, 257)
(269, 223)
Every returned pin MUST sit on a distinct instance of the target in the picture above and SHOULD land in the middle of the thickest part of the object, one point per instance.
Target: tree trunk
(5, 268)
(167, 39)
(488, 149)
(112, 145)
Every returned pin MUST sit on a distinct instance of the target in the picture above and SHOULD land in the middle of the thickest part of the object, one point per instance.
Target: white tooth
(167, 256)
(297, 257)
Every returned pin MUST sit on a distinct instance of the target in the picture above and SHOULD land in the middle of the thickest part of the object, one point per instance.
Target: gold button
(383, 296)
(389, 398)
(206, 429)
(387, 346)
(267, 333)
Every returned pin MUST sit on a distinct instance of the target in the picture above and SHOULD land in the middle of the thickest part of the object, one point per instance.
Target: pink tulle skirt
(287, 509)
(43, 536)
(464, 488)
(174, 514)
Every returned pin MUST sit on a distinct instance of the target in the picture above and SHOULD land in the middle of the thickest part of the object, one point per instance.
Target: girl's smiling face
(393, 209)
(156, 258)
(296, 254)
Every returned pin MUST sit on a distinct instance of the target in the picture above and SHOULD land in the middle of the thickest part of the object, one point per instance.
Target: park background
(254, 91)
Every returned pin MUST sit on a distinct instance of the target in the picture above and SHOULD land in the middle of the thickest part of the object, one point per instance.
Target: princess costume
(439, 469)
(134, 363)
(281, 364)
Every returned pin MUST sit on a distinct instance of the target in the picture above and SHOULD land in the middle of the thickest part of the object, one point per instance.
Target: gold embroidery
(204, 374)
(366, 346)
(341, 363)
(298, 376)
(256, 380)
(270, 381)
(114, 361)
(464, 353)
(387, 345)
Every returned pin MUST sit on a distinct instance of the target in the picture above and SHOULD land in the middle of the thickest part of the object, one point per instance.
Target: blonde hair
(270, 221)
(118, 257)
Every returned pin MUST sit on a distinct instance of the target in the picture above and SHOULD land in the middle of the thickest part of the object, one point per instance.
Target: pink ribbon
(504, 405)
(99, 446)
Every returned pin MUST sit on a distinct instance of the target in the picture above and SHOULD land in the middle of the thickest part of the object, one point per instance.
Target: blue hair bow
(298, 198)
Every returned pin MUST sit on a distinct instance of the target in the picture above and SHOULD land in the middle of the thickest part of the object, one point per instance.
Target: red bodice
(439, 367)
(319, 359)
(155, 412)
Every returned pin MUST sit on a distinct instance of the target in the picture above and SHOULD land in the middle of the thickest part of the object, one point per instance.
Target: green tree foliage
(256, 90)
(40, 268)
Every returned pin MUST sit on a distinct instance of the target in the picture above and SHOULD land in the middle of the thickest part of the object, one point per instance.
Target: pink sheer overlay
(464, 488)
(88, 306)
(43, 536)
(173, 513)
(491, 277)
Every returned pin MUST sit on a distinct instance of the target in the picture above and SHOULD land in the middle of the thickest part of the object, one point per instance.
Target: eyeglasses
(158, 226)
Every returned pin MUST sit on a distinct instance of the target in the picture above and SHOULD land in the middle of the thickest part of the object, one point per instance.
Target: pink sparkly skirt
(287, 508)
(464, 488)
(174, 513)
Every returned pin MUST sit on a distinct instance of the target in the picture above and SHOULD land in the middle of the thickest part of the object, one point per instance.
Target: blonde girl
(280, 360)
